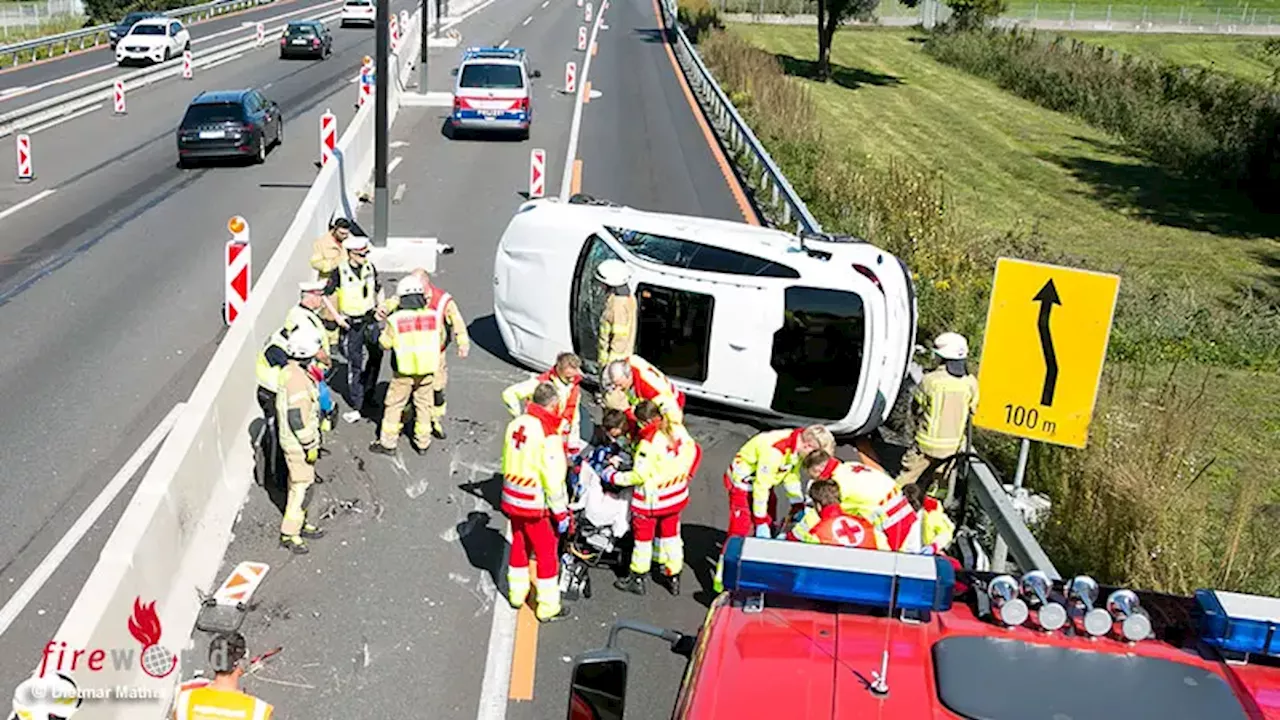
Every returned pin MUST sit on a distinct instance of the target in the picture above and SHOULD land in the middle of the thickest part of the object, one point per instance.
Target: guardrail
(981, 483)
(62, 43)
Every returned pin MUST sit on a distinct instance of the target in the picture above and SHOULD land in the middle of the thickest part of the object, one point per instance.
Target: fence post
(1108, 16)
(1072, 21)
(1035, 12)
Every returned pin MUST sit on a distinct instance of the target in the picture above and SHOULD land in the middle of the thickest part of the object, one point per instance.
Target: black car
(229, 123)
(306, 38)
(122, 29)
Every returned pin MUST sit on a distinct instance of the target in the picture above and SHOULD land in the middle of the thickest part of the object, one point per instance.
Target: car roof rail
(829, 237)
(585, 199)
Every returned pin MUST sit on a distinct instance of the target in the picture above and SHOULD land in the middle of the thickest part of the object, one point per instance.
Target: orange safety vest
(439, 301)
(529, 487)
(891, 513)
(648, 383)
(210, 703)
(568, 403)
(838, 527)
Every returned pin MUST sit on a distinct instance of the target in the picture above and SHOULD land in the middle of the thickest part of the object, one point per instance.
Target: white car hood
(146, 41)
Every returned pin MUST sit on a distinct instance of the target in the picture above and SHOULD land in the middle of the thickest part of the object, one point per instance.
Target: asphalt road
(110, 298)
(391, 613)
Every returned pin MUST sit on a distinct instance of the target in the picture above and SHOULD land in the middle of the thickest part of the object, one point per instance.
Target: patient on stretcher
(604, 507)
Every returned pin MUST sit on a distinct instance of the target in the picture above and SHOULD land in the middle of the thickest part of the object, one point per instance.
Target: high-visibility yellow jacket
(414, 337)
(617, 338)
(449, 317)
(875, 496)
(534, 466)
(568, 410)
(931, 528)
(298, 409)
(944, 404)
(356, 289)
(664, 463)
(211, 703)
(271, 361)
(767, 460)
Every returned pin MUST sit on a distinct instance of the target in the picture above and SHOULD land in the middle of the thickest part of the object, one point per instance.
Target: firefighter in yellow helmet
(617, 338)
(943, 403)
(298, 419)
(412, 334)
(222, 697)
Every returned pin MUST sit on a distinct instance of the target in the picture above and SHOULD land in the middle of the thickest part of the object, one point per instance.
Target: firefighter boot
(311, 532)
(632, 583)
(379, 448)
(294, 544)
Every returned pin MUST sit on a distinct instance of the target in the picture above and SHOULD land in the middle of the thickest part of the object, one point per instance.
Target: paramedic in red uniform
(827, 523)
(629, 382)
(565, 376)
(869, 493)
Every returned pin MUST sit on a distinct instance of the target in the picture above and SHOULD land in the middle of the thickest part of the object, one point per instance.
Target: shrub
(698, 17)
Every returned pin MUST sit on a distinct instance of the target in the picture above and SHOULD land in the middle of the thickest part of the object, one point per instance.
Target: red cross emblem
(518, 437)
(848, 532)
(674, 448)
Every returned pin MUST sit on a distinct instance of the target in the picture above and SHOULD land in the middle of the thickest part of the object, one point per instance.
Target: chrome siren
(1006, 606)
(1049, 614)
(1129, 620)
(1082, 593)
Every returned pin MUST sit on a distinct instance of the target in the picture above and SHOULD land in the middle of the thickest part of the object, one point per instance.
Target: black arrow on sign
(1048, 297)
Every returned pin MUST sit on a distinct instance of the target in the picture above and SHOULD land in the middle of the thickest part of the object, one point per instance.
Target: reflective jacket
(298, 409)
(357, 289)
(663, 465)
(300, 315)
(414, 337)
(833, 526)
(873, 495)
(767, 460)
(271, 361)
(944, 403)
(617, 338)
(930, 528)
(449, 317)
(211, 703)
(648, 383)
(534, 467)
(568, 411)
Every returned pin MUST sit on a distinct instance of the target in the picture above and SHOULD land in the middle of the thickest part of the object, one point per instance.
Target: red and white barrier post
(404, 20)
(262, 33)
(582, 38)
(570, 77)
(328, 136)
(366, 82)
(579, 3)
(119, 97)
(395, 33)
(588, 14)
(238, 269)
(537, 173)
(26, 171)
(188, 70)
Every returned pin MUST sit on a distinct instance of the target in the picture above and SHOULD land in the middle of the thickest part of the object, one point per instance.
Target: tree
(831, 13)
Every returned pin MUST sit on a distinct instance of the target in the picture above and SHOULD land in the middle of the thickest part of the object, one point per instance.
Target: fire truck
(815, 631)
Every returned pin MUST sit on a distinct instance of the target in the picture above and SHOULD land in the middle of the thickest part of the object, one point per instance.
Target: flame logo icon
(144, 625)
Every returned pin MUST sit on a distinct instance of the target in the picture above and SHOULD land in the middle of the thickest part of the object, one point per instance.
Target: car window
(208, 113)
(302, 30)
(132, 18)
(359, 3)
(491, 77)
(817, 352)
(175, 28)
(587, 302)
(696, 256)
(147, 30)
(674, 330)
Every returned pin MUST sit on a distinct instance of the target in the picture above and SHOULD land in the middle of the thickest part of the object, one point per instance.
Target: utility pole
(422, 54)
(382, 73)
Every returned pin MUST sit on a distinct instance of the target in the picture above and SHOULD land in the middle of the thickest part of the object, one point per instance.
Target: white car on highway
(796, 329)
(359, 12)
(153, 40)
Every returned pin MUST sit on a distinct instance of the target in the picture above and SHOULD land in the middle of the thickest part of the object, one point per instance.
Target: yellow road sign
(1042, 355)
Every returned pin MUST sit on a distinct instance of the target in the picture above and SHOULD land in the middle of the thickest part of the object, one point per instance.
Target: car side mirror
(537, 73)
(598, 688)
(454, 72)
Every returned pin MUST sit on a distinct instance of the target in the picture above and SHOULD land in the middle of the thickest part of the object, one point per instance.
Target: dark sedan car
(229, 123)
(122, 29)
(306, 38)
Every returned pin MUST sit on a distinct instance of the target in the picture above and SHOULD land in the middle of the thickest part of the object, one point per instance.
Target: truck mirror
(599, 687)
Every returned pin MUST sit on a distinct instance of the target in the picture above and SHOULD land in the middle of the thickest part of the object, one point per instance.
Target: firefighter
(566, 377)
(942, 405)
(827, 523)
(867, 492)
(629, 381)
(666, 458)
(534, 499)
(454, 327)
(310, 311)
(357, 291)
(222, 697)
(412, 334)
(933, 531)
(766, 461)
(327, 250)
(617, 340)
(298, 419)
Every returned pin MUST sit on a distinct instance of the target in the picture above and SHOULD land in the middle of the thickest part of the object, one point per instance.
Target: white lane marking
(575, 128)
(59, 553)
(223, 61)
(546, 3)
(399, 144)
(12, 91)
(58, 121)
(496, 686)
(504, 43)
(6, 213)
(395, 162)
(527, 21)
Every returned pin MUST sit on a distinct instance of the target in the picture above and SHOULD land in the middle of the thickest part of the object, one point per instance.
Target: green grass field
(1238, 56)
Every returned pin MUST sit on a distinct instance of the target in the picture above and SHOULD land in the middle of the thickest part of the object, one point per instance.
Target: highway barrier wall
(171, 539)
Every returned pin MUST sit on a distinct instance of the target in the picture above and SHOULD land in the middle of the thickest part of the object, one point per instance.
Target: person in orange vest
(565, 376)
(867, 492)
(221, 698)
(827, 523)
(629, 382)
(533, 498)
(666, 458)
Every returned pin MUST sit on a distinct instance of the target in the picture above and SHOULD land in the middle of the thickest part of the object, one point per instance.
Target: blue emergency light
(834, 573)
(1240, 623)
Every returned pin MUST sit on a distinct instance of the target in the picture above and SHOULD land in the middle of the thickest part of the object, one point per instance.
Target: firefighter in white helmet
(298, 420)
(412, 334)
(945, 400)
(617, 339)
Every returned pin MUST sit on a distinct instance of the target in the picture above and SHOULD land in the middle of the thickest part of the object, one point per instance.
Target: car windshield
(491, 77)
(147, 30)
(359, 3)
(302, 30)
(132, 18)
(209, 113)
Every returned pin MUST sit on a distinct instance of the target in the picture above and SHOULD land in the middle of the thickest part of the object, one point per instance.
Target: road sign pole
(1000, 553)
(422, 49)
(439, 15)
(383, 69)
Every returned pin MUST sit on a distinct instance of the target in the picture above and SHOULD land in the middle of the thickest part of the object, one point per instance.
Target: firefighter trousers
(536, 535)
(438, 387)
(270, 442)
(661, 533)
(301, 476)
(399, 391)
(364, 360)
(922, 469)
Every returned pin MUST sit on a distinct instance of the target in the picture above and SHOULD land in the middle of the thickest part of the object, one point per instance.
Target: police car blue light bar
(1239, 623)
(833, 573)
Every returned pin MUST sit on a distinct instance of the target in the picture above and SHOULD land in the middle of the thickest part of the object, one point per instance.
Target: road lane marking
(586, 96)
(527, 21)
(575, 127)
(575, 186)
(25, 203)
(731, 179)
(546, 3)
(59, 553)
(504, 43)
(525, 651)
(502, 641)
(395, 162)
(58, 121)
(11, 91)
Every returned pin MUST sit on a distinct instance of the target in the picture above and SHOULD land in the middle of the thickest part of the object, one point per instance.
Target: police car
(492, 91)
(797, 329)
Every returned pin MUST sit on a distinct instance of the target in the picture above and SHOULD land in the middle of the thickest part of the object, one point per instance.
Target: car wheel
(167, 55)
(262, 149)
(187, 46)
(183, 163)
(280, 131)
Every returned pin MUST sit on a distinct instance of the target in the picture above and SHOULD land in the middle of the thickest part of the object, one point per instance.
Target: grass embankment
(55, 25)
(1239, 56)
(1177, 488)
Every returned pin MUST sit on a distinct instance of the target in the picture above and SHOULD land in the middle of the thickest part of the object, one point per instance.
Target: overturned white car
(797, 329)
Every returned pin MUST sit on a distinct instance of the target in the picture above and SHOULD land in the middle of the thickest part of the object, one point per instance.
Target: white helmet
(951, 346)
(613, 273)
(410, 285)
(355, 242)
(304, 342)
